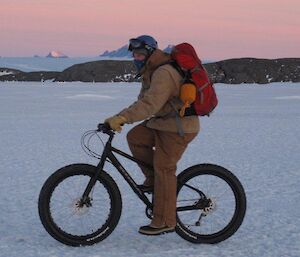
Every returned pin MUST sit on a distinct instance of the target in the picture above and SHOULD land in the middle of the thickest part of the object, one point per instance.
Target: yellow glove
(115, 122)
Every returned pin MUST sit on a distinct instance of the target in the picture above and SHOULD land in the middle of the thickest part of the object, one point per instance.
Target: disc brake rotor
(78, 208)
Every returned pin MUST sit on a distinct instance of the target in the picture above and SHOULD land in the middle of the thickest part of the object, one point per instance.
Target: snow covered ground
(3, 73)
(255, 132)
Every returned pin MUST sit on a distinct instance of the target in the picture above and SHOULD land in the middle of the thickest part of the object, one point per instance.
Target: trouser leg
(169, 148)
(141, 142)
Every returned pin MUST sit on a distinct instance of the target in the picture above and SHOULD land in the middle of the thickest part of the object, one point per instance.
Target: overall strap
(178, 121)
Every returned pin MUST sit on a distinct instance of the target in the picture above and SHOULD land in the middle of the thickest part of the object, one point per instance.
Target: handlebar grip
(104, 127)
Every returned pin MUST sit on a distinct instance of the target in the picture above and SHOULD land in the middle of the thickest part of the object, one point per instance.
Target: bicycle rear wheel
(69, 219)
(211, 204)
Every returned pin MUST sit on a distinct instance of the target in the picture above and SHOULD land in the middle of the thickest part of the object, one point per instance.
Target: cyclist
(163, 136)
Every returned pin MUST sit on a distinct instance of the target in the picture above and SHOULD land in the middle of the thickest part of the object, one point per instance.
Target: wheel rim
(73, 218)
(221, 206)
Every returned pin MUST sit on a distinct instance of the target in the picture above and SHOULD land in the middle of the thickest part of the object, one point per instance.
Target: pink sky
(218, 29)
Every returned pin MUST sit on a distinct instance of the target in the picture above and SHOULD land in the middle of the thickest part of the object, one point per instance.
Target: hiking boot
(151, 231)
(145, 188)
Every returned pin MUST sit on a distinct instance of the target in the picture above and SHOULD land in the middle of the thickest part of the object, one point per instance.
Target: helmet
(144, 45)
(143, 42)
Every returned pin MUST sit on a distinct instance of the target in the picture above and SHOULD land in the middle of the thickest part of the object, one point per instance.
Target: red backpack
(191, 68)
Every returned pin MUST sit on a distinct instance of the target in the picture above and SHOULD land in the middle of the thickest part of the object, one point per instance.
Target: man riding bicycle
(162, 137)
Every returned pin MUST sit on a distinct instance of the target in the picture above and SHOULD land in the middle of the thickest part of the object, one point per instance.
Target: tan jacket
(159, 97)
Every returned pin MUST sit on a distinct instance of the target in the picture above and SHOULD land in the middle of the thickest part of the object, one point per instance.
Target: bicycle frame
(108, 154)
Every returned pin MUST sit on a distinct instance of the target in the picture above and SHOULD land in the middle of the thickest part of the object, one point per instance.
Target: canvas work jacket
(159, 98)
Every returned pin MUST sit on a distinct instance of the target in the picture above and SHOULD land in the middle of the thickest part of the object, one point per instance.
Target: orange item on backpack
(187, 96)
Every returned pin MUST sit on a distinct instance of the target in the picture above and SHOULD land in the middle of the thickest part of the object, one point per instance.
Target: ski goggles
(135, 44)
(138, 44)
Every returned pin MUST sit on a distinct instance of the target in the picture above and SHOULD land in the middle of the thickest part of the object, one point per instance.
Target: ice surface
(254, 132)
(90, 96)
(292, 97)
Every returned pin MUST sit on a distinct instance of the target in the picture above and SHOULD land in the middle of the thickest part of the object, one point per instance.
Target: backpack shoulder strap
(174, 65)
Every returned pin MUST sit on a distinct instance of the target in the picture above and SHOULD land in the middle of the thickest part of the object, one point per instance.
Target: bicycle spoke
(75, 187)
(189, 212)
(188, 200)
(190, 225)
(222, 193)
(67, 193)
(68, 217)
(209, 186)
(60, 211)
(218, 219)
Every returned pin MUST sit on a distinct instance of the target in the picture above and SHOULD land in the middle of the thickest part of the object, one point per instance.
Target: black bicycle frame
(108, 154)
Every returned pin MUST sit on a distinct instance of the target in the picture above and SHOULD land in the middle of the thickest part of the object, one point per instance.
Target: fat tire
(54, 180)
(240, 198)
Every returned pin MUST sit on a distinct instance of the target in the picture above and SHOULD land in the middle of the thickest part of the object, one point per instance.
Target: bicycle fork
(85, 196)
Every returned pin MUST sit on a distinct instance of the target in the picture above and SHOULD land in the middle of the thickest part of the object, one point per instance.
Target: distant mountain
(56, 54)
(119, 53)
(124, 53)
(168, 49)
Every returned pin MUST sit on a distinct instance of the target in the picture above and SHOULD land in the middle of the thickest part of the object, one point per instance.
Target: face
(139, 56)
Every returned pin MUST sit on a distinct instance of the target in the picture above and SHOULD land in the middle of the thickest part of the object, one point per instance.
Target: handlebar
(103, 127)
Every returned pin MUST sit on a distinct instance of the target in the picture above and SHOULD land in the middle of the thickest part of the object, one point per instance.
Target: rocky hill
(7, 74)
(251, 70)
(232, 71)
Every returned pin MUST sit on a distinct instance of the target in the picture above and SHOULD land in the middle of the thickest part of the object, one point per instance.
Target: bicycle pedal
(146, 189)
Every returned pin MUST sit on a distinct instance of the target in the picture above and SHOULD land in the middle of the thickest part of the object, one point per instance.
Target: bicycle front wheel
(211, 204)
(70, 219)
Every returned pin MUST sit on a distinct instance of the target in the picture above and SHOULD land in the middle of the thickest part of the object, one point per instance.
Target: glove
(115, 122)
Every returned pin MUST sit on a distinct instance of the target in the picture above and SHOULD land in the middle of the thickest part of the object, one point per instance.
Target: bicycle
(80, 204)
